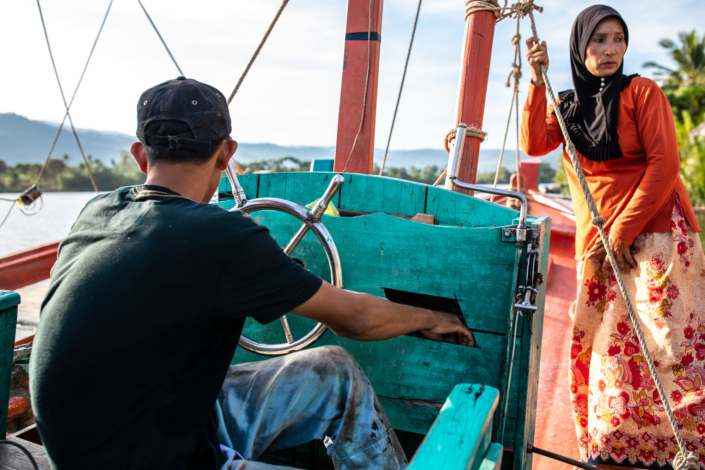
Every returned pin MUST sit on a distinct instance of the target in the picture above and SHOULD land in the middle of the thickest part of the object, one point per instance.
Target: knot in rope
(516, 10)
(687, 461)
(471, 131)
(598, 221)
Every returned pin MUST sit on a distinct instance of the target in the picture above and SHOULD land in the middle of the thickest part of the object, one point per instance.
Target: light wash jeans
(290, 400)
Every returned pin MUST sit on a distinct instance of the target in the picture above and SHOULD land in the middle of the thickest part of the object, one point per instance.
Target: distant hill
(23, 140)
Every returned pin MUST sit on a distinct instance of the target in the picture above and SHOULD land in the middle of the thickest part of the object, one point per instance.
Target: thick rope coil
(471, 131)
(684, 460)
(516, 10)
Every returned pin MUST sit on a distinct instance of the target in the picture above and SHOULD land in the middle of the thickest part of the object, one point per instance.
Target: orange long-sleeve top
(634, 193)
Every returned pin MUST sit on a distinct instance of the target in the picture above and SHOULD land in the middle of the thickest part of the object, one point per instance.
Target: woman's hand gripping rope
(621, 251)
(536, 57)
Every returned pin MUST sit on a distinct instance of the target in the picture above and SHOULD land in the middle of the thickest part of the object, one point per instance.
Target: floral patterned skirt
(619, 415)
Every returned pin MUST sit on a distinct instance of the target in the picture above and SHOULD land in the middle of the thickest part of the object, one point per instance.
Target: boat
(440, 247)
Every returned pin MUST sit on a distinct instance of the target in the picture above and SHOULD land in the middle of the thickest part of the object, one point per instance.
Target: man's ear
(227, 150)
(137, 151)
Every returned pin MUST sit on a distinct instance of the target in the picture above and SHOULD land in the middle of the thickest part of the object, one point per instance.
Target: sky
(291, 95)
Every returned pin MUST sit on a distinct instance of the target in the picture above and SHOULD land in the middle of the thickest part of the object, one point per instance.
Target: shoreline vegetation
(59, 176)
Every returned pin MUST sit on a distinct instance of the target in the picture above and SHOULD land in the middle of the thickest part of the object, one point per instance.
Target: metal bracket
(509, 234)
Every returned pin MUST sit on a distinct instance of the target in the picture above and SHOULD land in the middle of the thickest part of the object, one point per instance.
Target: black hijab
(591, 110)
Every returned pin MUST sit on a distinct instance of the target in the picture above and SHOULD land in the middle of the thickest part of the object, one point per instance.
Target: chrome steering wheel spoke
(311, 222)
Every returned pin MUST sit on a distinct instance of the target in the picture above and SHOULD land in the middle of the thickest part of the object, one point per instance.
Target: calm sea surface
(52, 223)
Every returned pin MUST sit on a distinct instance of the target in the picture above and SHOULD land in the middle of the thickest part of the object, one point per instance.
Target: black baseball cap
(202, 107)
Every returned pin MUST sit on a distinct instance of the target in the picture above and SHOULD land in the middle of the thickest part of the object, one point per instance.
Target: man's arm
(364, 317)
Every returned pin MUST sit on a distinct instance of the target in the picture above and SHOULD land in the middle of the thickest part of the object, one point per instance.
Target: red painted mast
(356, 80)
(472, 89)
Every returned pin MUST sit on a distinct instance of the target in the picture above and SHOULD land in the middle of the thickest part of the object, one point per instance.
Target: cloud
(292, 92)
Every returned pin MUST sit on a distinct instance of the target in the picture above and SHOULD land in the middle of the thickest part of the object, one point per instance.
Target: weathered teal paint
(462, 433)
(8, 319)
(463, 257)
(325, 164)
(493, 458)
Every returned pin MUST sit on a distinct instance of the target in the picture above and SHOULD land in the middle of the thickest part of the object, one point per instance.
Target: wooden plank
(460, 436)
(358, 92)
(8, 322)
(27, 267)
(493, 458)
(405, 367)
(531, 358)
(451, 208)
(472, 87)
(410, 415)
(381, 194)
(12, 458)
(380, 251)
(8, 299)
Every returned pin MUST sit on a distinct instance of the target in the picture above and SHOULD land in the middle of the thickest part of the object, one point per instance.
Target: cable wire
(401, 87)
(160, 37)
(63, 96)
(259, 48)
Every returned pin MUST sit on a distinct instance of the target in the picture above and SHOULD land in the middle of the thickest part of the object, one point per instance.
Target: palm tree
(690, 61)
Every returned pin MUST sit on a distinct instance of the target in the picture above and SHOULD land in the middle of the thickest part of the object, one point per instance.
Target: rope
(259, 48)
(367, 82)
(8, 214)
(24, 451)
(63, 96)
(471, 131)
(401, 87)
(684, 460)
(516, 73)
(516, 10)
(160, 37)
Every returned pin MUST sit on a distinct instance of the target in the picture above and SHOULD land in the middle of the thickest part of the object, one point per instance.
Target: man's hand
(537, 55)
(449, 327)
(621, 251)
(364, 317)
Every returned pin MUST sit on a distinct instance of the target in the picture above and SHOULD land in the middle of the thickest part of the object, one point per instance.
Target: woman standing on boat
(622, 127)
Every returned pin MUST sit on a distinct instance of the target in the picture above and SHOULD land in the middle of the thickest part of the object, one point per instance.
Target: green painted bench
(462, 259)
(8, 319)
(461, 436)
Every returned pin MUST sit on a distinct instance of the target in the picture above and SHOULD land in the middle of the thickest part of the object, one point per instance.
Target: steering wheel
(311, 221)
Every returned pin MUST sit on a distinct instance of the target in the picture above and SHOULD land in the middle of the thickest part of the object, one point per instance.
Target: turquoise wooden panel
(248, 182)
(301, 188)
(406, 367)
(8, 320)
(493, 458)
(381, 194)
(451, 208)
(410, 415)
(322, 164)
(461, 435)
(380, 250)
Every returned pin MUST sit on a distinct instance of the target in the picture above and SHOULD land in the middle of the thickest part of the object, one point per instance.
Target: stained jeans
(287, 401)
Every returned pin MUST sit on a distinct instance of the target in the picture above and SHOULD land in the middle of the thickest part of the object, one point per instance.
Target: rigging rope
(160, 37)
(401, 87)
(63, 96)
(471, 131)
(259, 48)
(684, 460)
(516, 73)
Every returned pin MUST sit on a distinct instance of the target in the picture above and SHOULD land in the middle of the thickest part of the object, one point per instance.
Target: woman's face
(606, 48)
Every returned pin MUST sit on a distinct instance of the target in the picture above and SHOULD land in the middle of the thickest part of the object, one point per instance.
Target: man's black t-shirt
(146, 304)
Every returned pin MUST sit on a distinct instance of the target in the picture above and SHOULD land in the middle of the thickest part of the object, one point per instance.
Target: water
(51, 224)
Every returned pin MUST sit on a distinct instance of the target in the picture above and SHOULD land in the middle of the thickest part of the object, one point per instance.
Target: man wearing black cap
(130, 368)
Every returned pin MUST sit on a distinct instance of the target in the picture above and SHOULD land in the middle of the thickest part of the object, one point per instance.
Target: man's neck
(190, 181)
